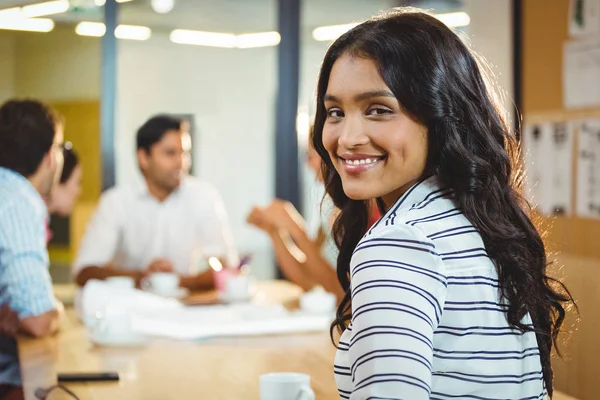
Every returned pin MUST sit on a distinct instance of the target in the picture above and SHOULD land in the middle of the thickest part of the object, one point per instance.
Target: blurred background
(228, 92)
(243, 73)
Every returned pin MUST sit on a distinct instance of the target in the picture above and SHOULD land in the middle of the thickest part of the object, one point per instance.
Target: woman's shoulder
(397, 251)
(398, 229)
(392, 238)
(407, 224)
(427, 219)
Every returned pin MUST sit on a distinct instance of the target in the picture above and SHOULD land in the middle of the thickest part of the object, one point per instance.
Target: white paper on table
(548, 151)
(581, 73)
(153, 315)
(99, 296)
(588, 169)
(233, 320)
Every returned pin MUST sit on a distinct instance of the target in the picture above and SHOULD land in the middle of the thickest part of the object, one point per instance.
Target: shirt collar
(140, 187)
(417, 193)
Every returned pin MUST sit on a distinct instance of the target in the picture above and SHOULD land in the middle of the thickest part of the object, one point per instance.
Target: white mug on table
(285, 386)
(238, 287)
(163, 283)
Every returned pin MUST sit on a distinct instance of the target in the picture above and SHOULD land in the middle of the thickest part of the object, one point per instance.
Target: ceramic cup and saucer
(164, 284)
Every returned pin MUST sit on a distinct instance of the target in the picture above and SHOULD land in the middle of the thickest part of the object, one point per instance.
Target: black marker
(88, 377)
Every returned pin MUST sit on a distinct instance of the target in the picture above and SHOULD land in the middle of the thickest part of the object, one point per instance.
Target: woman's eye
(335, 113)
(378, 111)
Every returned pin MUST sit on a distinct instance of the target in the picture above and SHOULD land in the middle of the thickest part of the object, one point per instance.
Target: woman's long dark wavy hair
(438, 82)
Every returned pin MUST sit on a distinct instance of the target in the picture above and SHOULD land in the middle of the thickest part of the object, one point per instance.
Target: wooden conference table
(227, 369)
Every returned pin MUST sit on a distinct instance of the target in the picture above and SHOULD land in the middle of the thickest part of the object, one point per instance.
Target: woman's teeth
(363, 161)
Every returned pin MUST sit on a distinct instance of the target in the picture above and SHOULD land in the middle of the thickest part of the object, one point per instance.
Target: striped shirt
(427, 318)
(25, 282)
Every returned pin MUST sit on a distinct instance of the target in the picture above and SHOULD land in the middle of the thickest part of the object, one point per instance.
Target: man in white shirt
(160, 223)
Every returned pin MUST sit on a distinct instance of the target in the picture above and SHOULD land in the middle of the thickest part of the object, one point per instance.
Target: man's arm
(36, 325)
(96, 272)
(201, 281)
(9, 321)
(93, 272)
(44, 324)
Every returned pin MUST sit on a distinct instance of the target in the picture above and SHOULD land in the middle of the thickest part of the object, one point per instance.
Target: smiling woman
(385, 147)
(455, 270)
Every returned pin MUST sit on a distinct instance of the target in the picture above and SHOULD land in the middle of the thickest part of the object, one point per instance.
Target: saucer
(178, 294)
(223, 298)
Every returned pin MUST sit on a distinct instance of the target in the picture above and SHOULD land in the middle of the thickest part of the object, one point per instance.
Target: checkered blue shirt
(24, 277)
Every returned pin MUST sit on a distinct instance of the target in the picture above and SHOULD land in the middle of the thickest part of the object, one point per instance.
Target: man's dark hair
(71, 162)
(27, 130)
(154, 129)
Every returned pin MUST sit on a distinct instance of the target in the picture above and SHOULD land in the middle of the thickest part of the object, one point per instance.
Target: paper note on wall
(548, 149)
(584, 17)
(581, 73)
(588, 169)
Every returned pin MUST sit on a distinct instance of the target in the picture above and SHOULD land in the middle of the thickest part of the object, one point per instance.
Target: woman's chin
(357, 193)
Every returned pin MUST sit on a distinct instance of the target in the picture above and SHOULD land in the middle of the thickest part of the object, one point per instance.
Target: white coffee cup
(285, 386)
(161, 282)
(238, 287)
(121, 281)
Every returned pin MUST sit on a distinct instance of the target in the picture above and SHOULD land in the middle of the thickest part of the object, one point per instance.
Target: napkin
(97, 297)
(152, 315)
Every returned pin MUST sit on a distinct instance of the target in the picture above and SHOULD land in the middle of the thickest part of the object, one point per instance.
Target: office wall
(574, 240)
(7, 66)
(490, 35)
(57, 66)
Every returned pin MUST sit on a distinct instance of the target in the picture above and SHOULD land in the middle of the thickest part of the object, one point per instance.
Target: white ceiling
(247, 15)
(236, 16)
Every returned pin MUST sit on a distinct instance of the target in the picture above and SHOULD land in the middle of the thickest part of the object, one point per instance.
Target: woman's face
(377, 149)
(65, 194)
